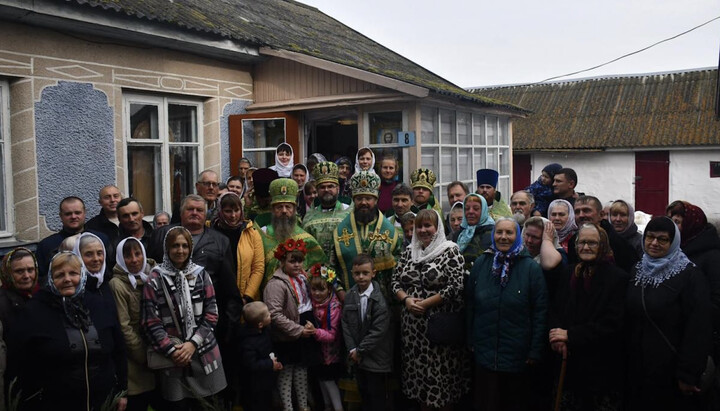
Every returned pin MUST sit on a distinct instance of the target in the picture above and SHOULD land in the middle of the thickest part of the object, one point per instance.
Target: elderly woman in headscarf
(19, 281)
(284, 162)
(621, 216)
(427, 280)
(542, 190)
(91, 251)
(246, 243)
(506, 306)
(669, 324)
(562, 215)
(586, 321)
(65, 348)
(130, 275)
(475, 233)
(179, 315)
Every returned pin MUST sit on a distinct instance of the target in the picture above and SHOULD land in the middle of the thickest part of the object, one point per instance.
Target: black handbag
(446, 328)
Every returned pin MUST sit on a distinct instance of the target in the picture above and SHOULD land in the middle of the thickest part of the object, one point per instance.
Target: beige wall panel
(26, 221)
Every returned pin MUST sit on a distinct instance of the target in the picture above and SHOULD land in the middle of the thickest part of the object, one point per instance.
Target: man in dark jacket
(130, 213)
(106, 221)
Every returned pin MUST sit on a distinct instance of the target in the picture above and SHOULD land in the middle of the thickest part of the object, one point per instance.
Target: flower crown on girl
(324, 272)
(288, 246)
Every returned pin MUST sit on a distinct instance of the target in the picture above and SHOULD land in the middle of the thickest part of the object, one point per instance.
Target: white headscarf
(183, 279)
(284, 170)
(437, 246)
(120, 260)
(100, 275)
(357, 163)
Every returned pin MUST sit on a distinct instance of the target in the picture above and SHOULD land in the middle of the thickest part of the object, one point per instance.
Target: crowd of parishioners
(332, 285)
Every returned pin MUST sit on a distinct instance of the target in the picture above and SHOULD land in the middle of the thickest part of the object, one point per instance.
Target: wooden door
(651, 181)
(522, 172)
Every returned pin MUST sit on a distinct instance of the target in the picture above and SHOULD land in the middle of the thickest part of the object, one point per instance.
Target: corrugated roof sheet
(292, 26)
(657, 110)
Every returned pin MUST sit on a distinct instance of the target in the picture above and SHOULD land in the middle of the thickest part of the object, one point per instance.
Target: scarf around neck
(651, 271)
(570, 227)
(182, 278)
(504, 260)
(120, 261)
(100, 275)
(467, 231)
(437, 246)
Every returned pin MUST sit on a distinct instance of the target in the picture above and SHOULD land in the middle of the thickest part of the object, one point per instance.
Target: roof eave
(125, 29)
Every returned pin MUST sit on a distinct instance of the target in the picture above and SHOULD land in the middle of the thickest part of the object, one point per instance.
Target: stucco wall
(74, 140)
(690, 180)
(607, 176)
(235, 107)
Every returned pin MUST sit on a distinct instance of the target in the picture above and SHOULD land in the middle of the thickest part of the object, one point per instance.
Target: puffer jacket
(506, 325)
(704, 251)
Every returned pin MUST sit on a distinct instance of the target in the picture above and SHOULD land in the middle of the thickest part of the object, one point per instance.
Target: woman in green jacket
(506, 305)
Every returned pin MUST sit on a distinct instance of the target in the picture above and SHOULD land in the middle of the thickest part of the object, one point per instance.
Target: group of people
(318, 287)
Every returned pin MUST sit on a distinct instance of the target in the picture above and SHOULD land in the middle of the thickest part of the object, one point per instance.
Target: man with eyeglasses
(588, 210)
(207, 187)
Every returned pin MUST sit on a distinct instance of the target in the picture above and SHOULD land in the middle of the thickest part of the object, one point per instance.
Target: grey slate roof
(287, 25)
(624, 112)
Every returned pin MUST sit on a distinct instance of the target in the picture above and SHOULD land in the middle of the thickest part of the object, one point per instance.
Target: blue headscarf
(468, 231)
(653, 271)
(75, 311)
(503, 261)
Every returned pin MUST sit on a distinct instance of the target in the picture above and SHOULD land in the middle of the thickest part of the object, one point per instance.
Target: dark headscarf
(220, 220)
(694, 219)
(75, 311)
(586, 269)
(8, 281)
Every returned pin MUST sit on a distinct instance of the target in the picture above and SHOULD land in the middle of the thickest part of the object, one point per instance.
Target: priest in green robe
(284, 225)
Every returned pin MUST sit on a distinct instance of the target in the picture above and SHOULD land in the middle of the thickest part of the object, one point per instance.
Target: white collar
(368, 291)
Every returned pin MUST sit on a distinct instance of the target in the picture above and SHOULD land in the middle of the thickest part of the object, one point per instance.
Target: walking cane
(561, 382)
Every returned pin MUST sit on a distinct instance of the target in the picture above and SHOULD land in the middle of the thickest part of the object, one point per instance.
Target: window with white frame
(455, 144)
(6, 206)
(163, 138)
(260, 139)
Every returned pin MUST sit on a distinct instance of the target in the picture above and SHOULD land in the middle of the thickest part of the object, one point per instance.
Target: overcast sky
(480, 43)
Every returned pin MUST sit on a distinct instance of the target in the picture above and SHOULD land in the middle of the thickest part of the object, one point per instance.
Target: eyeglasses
(649, 238)
(208, 184)
(591, 244)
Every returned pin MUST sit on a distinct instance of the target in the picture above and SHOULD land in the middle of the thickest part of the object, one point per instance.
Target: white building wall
(607, 176)
(690, 180)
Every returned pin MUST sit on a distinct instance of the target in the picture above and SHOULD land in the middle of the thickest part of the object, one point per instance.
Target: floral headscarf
(120, 261)
(653, 271)
(694, 219)
(100, 275)
(467, 231)
(220, 219)
(184, 278)
(570, 227)
(75, 311)
(504, 260)
(8, 281)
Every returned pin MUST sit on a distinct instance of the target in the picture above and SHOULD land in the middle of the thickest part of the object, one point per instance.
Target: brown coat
(283, 307)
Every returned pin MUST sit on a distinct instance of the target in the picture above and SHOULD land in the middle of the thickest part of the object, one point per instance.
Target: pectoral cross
(345, 237)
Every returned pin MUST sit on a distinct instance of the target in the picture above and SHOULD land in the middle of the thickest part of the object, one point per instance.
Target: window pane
(384, 127)
(464, 128)
(479, 159)
(429, 158)
(464, 164)
(492, 133)
(260, 158)
(264, 133)
(478, 130)
(504, 188)
(184, 171)
(504, 137)
(143, 121)
(448, 165)
(504, 161)
(447, 127)
(492, 158)
(429, 133)
(182, 123)
(144, 177)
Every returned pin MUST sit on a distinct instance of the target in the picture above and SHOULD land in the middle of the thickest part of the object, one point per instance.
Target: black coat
(48, 354)
(623, 252)
(257, 371)
(704, 251)
(680, 307)
(594, 321)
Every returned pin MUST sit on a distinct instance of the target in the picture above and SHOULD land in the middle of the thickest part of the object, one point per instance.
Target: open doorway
(332, 133)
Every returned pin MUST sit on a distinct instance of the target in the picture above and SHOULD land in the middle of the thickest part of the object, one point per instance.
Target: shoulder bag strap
(672, 347)
(171, 305)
